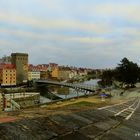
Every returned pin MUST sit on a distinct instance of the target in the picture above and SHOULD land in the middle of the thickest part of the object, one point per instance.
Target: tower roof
(19, 54)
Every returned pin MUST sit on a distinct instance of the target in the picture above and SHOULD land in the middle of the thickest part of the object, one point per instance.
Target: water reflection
(65, 92)
(92, 82)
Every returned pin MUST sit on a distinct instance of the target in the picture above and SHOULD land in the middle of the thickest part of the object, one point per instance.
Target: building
(38, 72)
(44, 74)
(42, 67)
(33, 75)
(54, 73)
(20, 60)
(2, 101)
(72, 74)
(17, 101)
(82, 72)
(33, 72)
(64, 73)
(7, 75)
(53, 68)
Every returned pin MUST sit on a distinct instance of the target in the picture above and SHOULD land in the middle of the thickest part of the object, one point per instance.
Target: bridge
(80, 87)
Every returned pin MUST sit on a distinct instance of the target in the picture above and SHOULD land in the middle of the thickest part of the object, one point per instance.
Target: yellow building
(44, 75)
(7, 75)
(54, 70)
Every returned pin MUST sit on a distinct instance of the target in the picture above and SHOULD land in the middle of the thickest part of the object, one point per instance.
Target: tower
(20, 60)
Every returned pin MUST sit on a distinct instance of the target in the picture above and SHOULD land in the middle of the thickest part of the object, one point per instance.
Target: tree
(127, 72)
(107, 78)
(139, 74)
(91, 75)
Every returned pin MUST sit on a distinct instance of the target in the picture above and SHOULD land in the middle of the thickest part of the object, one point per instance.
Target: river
(65, 92)
(92, 82)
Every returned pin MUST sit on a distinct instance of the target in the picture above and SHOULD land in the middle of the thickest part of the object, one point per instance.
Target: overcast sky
(87, 33)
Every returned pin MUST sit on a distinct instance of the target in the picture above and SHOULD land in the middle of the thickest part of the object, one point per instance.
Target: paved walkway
(120, 122)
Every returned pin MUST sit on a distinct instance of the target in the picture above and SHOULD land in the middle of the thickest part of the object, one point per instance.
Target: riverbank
(94, 100)
(60, 107)
(74, 104)
(81, 103)
(63, 117)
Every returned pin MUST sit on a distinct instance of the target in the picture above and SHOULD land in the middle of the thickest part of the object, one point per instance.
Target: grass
(84, 105)
(81, 104)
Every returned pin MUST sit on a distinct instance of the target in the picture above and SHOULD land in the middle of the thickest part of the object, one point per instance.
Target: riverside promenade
(117, 121)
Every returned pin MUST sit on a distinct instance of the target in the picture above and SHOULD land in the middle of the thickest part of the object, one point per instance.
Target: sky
(82, 33)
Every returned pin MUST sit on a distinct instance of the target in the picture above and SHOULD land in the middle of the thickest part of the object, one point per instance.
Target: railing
(15, 104)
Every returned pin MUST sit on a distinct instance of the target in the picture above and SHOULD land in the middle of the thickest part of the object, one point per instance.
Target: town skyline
(15, 69)
(6, 59)
(94, 34)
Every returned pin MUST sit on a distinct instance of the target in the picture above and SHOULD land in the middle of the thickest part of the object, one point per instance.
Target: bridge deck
(85, 87)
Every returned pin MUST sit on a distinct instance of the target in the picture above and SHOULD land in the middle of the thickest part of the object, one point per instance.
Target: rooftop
(16, 54)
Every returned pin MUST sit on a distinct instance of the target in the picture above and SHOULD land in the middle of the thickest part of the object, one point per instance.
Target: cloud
(24, 35)
(58, 24)
(87, 40)
(128, 11)
(133, 32)
(87, 33)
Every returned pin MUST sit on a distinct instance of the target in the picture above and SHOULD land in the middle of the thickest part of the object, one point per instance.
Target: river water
(65, 92)
(92, 82)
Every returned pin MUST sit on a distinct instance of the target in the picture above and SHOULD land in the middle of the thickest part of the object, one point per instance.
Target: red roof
(7, 66)
(42, 67)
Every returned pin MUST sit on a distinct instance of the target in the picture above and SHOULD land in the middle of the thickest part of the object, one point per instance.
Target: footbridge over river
(81, 87)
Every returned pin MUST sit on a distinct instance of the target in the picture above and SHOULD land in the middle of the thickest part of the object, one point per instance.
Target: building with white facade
(33, 75)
